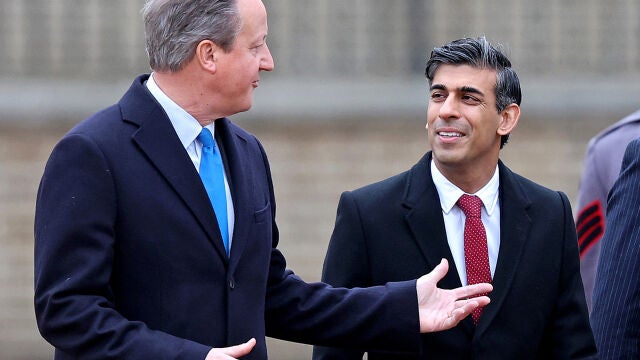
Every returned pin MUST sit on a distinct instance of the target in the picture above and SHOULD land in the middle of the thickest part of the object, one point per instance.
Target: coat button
(232, 283)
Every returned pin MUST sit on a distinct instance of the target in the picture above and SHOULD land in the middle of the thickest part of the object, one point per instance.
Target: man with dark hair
(461, 202)
(155, 233)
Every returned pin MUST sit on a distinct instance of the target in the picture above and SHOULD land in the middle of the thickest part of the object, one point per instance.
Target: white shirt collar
(186, 126)
(449, 193)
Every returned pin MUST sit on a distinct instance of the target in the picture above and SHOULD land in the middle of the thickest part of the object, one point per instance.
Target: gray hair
(174, 28)
(479, 53)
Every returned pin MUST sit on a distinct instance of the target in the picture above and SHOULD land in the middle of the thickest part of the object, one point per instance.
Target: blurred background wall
(345, 106)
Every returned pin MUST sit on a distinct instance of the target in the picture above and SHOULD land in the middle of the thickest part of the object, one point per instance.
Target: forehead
(458, 76)
(253, 15)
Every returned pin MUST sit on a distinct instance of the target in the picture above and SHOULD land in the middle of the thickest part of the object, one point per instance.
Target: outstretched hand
(231, 352)
(442, 309)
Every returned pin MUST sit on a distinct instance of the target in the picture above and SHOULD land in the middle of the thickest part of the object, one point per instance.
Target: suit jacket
(394, 230)
(601, 169)
(616, 298)
(129, 261)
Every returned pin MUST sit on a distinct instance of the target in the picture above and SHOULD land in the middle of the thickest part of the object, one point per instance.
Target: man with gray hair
(155, 233)
(461, 202)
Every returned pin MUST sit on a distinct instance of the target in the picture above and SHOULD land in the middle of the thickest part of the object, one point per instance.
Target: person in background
(601, 169)
(461, 202)
(615, 316)
(155, 233)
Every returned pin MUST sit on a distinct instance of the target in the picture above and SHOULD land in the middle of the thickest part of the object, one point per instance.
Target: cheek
(432, 113)
(488, 133)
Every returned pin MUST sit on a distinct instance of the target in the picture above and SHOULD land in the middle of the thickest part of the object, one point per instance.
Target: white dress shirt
(454, 218)
(188, 129)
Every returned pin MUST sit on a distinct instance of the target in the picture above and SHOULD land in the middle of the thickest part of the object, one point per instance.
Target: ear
(206, 55)
(509, 119)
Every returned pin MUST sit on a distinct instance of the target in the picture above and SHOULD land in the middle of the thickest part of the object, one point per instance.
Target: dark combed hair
(479, 53)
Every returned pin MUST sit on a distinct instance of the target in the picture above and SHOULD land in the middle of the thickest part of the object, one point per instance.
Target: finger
(472, 290)
(462, 312)
(481, 300)
(439, 271)
(239, 350)
(463, 309)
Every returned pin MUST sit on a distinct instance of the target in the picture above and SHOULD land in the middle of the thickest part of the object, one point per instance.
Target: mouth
(255, 83)
(449, 134)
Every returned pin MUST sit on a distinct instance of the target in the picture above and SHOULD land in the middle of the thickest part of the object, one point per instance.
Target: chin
(244, 107)
(445, 157)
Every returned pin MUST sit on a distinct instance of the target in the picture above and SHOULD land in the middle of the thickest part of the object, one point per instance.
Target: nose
(267, 63)
(449, 108)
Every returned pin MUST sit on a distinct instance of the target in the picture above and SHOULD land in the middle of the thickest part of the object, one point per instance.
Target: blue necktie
(212, 174)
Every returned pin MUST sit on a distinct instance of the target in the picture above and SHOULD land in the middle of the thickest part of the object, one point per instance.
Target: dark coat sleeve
(74, 253)
(377, 317)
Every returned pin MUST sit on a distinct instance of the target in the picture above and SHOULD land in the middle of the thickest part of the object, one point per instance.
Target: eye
(255, 49)
(438, 96)
(470, 99)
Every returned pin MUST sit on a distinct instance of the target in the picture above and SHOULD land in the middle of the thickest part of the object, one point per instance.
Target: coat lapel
(424, 218)
(514, 227)
(157, 139)
(235, 155)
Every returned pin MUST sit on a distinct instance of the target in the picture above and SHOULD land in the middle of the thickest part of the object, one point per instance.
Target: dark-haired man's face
(463, 123)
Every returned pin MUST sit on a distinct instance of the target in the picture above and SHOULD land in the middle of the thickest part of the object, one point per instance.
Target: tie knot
(470, 205)
(206, 138)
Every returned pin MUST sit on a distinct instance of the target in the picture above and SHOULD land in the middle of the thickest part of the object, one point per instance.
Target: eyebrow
(464, 89)
(469, 89)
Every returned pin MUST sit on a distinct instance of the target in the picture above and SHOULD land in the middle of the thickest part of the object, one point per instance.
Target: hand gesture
(442, 309)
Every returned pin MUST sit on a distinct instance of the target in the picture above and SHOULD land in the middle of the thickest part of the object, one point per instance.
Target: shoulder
(242, 140)
(517, 186)
(391, 184)
(238, 131)
(399, 185)
(105, 129)
(134, 108)
(618, 134)
(99, 121)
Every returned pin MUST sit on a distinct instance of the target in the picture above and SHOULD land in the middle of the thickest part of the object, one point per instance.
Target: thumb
(242, 349)
(439, 271)
(427, 284)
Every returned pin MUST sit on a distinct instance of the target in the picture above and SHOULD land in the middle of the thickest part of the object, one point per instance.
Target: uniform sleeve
(615, 317)
(592, 196)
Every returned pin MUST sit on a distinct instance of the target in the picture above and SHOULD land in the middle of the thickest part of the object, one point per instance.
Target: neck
(468, 179)
(188, 92)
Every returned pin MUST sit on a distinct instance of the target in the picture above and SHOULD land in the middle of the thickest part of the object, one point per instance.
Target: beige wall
(103, 40)
(344, 107)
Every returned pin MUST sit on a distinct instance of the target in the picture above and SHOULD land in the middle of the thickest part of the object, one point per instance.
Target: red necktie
(476, 254)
